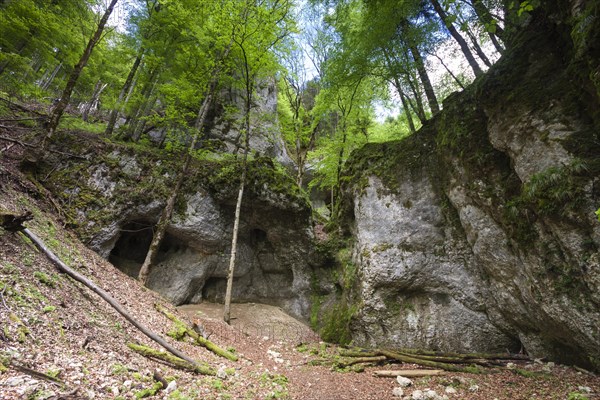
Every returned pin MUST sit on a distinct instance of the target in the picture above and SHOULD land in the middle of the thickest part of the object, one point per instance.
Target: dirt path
(256, 320)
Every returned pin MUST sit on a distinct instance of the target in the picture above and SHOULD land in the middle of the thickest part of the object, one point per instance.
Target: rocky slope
(479, 233)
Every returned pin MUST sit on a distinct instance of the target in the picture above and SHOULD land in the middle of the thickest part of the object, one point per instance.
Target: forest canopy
(346, 72)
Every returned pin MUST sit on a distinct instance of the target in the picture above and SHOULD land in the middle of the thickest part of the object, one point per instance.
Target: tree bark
(98, 89)
(114, 114)
(50, 79)
(405, 106)
(60, 107)
(458, 37)
(478, 48)
(105, 296)
(427, 86)
(249, 82)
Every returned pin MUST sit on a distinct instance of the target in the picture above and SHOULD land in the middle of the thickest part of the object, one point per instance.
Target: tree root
(182, 329)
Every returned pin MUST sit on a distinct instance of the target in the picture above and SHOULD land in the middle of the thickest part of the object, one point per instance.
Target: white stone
(451, 390)
(402, 381)
(127, 384)
(171, 387)
(473, 388)
(398, 392)
(431, 394)
(418, 395)
(511, 365)
(584, 389)
(221, 373)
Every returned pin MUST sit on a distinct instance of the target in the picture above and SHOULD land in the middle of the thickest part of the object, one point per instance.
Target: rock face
(117, 198)
(266, 139)
(479, 233)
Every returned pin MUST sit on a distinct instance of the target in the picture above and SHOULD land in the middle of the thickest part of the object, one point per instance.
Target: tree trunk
(114, 114)
(427, 86)
(249, 81)
(236, 225)
(486, 18)
(60, 107)
(457, 36)
(449, 71)
(418, 106)
(93, 103)
(49, 81)
(405, 106)
(388, 60)
(478, 49)
(165, 216)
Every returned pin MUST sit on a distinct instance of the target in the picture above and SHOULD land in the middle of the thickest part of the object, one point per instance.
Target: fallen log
(359, 360)
(105, 296)
(200, 340)
(409, 373)
(169, 358)
(427, 363)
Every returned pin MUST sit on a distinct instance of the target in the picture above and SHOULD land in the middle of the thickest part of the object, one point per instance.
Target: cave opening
(130, 249)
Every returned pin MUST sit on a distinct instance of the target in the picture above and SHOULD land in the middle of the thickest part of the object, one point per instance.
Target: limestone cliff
(478, 233)
(114, 196)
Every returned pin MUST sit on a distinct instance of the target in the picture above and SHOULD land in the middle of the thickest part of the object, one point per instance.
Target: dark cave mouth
(130, 249)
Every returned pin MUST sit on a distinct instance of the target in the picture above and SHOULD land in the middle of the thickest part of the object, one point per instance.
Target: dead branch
(359, 360)
(34, 373)
(194, 335)
(105, 296)
(175, 361)
(426, 363)
(25, 144)
(409, 373)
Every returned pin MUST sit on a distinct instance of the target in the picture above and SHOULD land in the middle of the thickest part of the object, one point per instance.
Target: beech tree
(61, 105)
(262, 26)
(212, 73)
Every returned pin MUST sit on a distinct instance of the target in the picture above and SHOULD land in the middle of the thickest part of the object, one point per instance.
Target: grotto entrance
(130, 250)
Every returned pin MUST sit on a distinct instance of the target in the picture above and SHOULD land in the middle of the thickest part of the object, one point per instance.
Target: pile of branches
(357, 358)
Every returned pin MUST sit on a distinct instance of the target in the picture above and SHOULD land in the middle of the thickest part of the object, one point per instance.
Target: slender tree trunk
(98, 89)
(165, 216)
(496, 43)
(478, 48)
(133, 121)
(140, 125)
(50, 79)
(249, 81)
(458, 37)
(486, 18)
(449, 71)
(60, 107)
(114, 114)
(411, 124)
(427, 86)
(418, 105)
(238, 210)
